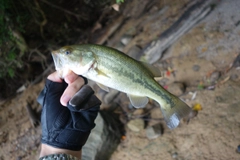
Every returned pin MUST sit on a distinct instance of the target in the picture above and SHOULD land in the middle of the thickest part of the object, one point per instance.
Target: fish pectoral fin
(137, 101)
(105, 88)
(154, 70)
(100, 73)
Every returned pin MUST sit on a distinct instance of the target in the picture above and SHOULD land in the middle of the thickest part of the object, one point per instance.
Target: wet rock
(215, 76)
(236, 62)
(191, 115)
(156, 112)
(176, 88)
(123, 118)
(110, 96)
(163, 81)
(175, 155)
(138, 111)
(126, 39)
(238, 149)
(104, 137)
(134, 52)
(154, 131)
(33, 115)
(131, 31)
(196, 67)
(136, 125)
(234, 77)
(119, 46)
(219, 99)
(21, 89)
(3, 137)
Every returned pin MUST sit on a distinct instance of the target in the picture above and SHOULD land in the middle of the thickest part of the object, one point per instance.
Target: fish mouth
(57, 61)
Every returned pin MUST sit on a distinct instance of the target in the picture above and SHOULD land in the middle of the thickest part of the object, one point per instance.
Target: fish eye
(67, 52)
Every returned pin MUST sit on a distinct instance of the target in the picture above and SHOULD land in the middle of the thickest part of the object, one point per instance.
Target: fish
(111, 68)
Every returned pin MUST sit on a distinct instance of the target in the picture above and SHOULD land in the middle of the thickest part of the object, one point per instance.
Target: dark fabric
(85, 79)
(67, 127)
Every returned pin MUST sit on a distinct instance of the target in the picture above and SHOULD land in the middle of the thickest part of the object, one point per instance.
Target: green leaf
(11, 55)
(11, 72)
(119, 1)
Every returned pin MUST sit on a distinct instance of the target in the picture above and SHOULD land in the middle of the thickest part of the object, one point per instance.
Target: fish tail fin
(173, 114)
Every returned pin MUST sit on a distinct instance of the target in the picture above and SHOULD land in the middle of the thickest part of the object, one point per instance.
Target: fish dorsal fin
(154, 70)
(105, 88)
(137, 101)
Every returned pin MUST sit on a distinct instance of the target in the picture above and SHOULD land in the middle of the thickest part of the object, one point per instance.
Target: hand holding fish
(66, 129)
(74, 84)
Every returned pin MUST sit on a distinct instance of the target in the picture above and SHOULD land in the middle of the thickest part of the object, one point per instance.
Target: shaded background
(201, 67)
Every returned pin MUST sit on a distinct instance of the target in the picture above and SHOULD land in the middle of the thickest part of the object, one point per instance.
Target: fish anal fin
(154, 70)
(137, 101)
(105, 88)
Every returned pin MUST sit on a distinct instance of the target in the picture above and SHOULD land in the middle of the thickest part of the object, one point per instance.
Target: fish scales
(140, 76)
(119, 65)
(114, 69)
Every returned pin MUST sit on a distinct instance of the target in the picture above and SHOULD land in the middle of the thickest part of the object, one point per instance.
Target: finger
(71, 90)
(70, 77)
(54, 77)
(82, 95)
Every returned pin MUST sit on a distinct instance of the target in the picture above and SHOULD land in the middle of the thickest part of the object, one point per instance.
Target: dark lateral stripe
(138, 78)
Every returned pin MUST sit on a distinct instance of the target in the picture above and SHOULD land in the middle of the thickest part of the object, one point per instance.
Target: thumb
(55, 77)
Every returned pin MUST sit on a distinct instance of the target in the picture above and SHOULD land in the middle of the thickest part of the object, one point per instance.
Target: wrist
(48, 150)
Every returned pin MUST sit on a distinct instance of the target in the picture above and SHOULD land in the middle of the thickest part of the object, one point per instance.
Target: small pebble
(19, 158)
(236, 62)
(123, 118)
(176, 88)
(219, 99)
(234, 77)
(154, 131)
(126, 39)
(196, 67)
(119, 46)
(238, 149)
(215, 76)
(139, 111)
(134, 52)
(175, 155)
(136, 125)
(191, 115)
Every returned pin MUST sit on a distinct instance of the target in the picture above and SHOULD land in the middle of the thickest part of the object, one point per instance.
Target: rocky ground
(200, 67)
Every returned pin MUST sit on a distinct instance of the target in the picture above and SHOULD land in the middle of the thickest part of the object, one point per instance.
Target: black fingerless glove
(67, 127)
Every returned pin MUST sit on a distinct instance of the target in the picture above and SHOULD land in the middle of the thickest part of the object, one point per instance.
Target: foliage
(119, 1)
(29, 30)
(5, 37)
(10, 19)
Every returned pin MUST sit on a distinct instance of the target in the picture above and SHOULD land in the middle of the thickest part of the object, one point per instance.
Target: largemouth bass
(109, 67)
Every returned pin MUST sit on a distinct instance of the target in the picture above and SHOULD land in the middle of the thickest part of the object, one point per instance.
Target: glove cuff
(68, 139)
